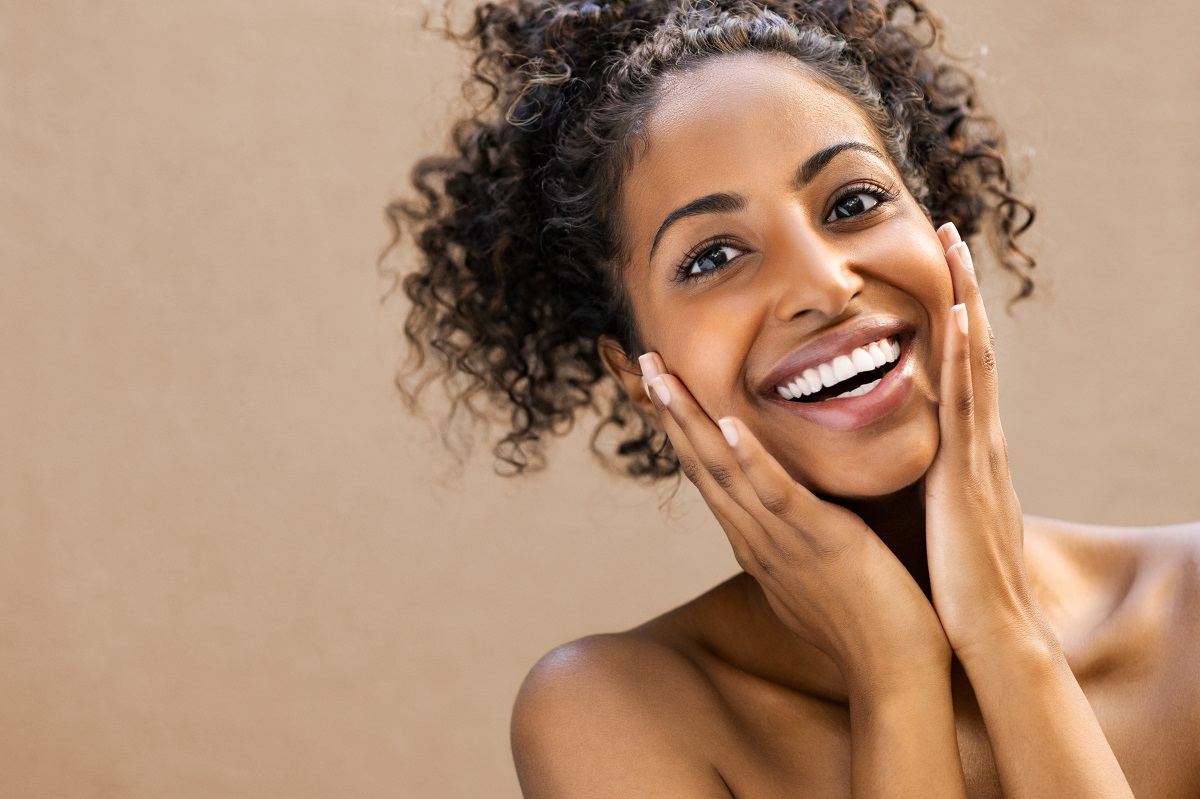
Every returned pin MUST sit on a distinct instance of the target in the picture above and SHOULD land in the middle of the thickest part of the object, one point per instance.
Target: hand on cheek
(828, 577)
(974, 528)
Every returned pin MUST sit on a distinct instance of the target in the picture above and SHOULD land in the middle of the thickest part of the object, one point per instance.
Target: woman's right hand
(826, 574)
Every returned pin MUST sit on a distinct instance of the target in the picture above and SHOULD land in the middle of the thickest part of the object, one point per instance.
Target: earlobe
(628, 374)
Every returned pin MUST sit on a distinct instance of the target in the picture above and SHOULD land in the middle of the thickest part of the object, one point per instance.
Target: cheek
(704, 345)
(908, 254)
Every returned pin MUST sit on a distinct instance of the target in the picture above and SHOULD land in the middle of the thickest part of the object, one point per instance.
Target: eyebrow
(723, 203)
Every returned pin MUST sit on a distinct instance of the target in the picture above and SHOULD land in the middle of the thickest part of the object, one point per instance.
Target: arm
(902, 739)
(834, 583)
(1045, 738)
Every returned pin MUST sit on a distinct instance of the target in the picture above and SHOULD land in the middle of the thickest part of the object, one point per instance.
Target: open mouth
(856, 373)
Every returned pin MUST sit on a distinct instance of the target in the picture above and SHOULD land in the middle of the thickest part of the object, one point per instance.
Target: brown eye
(713, 258)
(852, 205)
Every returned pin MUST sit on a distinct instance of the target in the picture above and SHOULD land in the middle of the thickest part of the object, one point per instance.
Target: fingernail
(960, 316)
(950, 230)
(964, 255)
(729, 430)
(660, 388)
(649, 369)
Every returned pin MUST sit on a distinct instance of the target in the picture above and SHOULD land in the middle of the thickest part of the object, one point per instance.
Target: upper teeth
(843, 367)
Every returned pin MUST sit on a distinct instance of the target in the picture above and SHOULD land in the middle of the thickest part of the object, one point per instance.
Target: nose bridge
(812, 271)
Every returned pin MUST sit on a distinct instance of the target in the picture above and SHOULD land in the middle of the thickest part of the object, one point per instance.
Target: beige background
(228, 564)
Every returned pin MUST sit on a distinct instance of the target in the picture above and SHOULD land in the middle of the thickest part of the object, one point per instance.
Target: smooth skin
(899, 629)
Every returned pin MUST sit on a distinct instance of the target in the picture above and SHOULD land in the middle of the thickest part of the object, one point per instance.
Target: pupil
(712, 259)
(850, 206)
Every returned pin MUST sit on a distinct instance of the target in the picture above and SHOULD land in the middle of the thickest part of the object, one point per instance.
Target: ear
(628, 374)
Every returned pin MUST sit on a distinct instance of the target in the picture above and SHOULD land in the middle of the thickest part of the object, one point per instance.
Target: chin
(874, 472)
(881, 483)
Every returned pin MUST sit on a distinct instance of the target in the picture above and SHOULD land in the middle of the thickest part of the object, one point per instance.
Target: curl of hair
(517, 228)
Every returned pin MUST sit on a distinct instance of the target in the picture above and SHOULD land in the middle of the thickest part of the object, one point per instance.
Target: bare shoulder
(1125, 594)
(1143, 551)
(615, 715)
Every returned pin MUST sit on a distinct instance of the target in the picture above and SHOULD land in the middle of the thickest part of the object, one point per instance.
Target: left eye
(713, 258)
(852, 205)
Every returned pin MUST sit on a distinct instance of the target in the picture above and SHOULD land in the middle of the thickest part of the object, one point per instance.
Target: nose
(812, 273)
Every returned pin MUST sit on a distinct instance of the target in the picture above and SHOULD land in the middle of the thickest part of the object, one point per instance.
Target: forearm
(1045, 737)
(902, 737)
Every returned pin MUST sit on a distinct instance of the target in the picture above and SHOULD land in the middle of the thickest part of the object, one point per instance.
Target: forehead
(735, 121)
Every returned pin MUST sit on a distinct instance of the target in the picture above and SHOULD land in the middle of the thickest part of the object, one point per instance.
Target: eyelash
(882, 195)
(683, 272)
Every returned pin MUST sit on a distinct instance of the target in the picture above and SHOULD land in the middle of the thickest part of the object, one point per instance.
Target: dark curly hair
(517, 228)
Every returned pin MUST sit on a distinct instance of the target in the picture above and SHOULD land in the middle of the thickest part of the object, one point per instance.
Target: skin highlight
(799, 179)
(728, 330)
(889, 606)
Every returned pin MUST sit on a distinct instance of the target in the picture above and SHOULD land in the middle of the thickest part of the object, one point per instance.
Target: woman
(737, 229)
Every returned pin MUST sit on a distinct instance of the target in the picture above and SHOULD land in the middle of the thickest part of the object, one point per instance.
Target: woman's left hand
(974, 527)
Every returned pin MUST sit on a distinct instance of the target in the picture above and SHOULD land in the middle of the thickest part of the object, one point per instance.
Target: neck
(899, 520)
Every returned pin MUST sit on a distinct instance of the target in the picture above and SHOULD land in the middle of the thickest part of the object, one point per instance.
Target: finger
(982, 343)
(948, 235)
(752, 549)
(956, 406)
(698, 441)
(821, 524)
(713, 475)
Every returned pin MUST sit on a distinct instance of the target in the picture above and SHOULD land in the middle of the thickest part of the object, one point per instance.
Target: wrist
(899, 679)
(1028, 648)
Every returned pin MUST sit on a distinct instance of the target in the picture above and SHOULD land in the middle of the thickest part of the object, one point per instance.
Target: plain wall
(231, 565)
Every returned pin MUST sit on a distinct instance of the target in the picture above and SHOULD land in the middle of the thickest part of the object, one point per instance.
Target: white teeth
(843, 367)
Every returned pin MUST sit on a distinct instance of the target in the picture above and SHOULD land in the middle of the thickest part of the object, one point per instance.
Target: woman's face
(771, 237)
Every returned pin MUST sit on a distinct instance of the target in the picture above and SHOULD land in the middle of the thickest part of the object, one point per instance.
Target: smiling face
(769, 238)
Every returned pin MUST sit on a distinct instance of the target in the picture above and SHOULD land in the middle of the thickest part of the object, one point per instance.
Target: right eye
(710, 260)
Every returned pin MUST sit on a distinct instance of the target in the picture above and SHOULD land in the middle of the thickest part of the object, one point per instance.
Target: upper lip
(829, 344)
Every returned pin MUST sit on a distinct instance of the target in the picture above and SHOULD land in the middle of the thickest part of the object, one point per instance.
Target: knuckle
(722, 475)
(691, 469)
(765, 566)
(987, 360)
(964, 404)
(777, 502)
(744, 557)
(998, 458)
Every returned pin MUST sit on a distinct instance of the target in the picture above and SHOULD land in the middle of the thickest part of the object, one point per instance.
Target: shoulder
(1130, 592)
(1139, 551)
(620, 714)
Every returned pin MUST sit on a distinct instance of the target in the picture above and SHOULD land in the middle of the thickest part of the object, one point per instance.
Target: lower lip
(852, 413)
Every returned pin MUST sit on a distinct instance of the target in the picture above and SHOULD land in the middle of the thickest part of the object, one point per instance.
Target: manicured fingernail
(649, 369)
(960, 316)
(964, 256)
(660, 388)
(729, 430)
(950, 231)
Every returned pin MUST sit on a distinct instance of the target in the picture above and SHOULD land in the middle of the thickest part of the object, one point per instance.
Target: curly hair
(517, 227)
